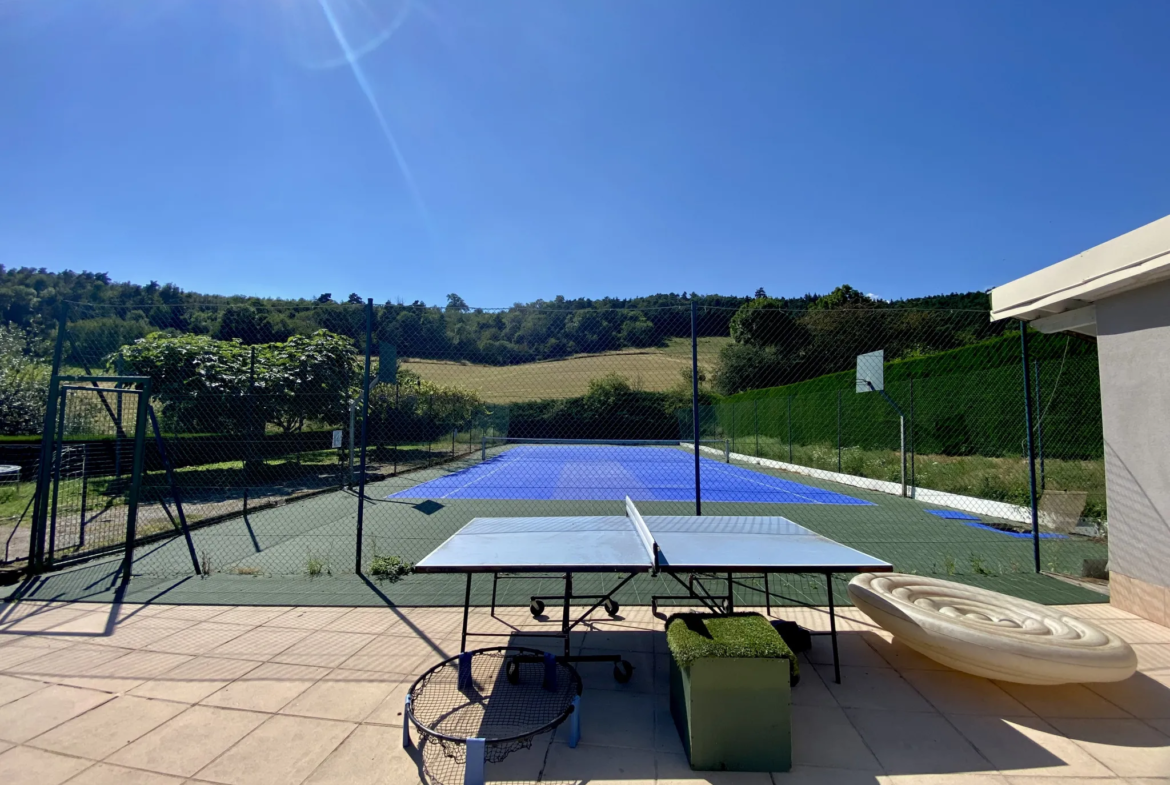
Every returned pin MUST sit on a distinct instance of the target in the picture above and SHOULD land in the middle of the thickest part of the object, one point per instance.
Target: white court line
(503, 465)
(811, 500)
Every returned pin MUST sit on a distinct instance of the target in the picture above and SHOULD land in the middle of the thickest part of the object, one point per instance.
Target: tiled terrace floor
(150, 695)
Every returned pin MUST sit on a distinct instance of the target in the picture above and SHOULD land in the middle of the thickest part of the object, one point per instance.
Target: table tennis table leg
(730, 595)
(565, 612)
(767, 596)
(495, 580)
(833, 628)
(466, 611)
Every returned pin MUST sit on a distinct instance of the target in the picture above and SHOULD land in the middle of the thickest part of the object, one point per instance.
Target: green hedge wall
(966, 401)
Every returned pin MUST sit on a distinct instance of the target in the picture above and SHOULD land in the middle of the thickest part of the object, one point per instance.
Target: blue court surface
(604, 472)
(954, 515)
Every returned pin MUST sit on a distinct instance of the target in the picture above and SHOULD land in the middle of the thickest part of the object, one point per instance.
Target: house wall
(1133, 332)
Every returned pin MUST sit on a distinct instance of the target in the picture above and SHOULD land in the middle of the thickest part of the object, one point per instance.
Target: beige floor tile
(169, 749)
(368, 620)
(63, 663)
(13, 688)
(674, 769)
(1063, 700)
(617, 719)
(343, 695)
(5, 745)
(1140, 695)
(282, 750)
(872, 688)
(103, 730)
(307, 618)
(269, 687)
(1024, 779)
(957, 778)
(811, 689)
(852, 649)
(1027, 746)
(389, 711)
(199, 638)
(916, 743)
(823, 736)
(139, 634)
(816, 775)
(399, 654)
(105, 774)
(1130, 748)
(952, 692)
(1160, 725)
(27, 766)
(126, 672)
(666, 735)
(87, 625)
(599, 675)
(620, 640)
(1153, 656)
(252, 616)
(369, 756)
(901, 656)
(588, 763)
(36, 618)
(327, 649)
(1137, 630)
(34, 714)
(195, 679)
(261, 643)
(13, 654)
(1094, 611)
(194, 612)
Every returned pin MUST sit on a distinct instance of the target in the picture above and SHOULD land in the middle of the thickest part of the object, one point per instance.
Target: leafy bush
(24, 384)
(202, 381)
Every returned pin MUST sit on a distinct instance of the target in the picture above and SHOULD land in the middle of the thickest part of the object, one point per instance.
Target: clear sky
(510, 150)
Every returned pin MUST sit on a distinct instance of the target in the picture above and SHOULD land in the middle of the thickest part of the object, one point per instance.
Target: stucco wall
(1133, 332)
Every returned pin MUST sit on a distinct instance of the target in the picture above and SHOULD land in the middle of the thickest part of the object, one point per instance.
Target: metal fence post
(44, 477)
(1031, 450)
(1039, 424)
(695, 399)
(790, 429)
(365, 420)
(756, 423)
(913, 448)
(135, 479)
(838, 431)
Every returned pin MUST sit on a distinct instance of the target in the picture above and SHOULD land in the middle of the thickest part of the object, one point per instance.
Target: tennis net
(493, 445)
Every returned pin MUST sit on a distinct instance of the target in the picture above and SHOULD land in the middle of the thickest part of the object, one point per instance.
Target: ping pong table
(699, 547)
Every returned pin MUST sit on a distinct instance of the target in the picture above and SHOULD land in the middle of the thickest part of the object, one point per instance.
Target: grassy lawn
(650, 369)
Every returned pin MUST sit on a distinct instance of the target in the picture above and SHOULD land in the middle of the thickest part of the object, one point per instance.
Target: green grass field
(653, 369)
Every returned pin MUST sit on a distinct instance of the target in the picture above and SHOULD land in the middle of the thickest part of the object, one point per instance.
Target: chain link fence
(329, 439)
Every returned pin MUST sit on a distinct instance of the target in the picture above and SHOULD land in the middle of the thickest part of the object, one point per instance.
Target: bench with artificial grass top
(731, 678)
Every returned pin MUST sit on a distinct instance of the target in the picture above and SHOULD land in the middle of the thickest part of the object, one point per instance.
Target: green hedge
(966, 401)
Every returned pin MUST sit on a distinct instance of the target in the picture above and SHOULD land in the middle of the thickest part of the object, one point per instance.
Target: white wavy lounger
(989, 634)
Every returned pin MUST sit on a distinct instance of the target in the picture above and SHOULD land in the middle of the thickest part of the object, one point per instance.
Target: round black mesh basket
(505, 695)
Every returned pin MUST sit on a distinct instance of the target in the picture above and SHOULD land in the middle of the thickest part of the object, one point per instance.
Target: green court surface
(303, 553)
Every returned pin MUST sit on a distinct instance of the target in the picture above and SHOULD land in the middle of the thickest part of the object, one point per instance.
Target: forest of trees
(104, 315)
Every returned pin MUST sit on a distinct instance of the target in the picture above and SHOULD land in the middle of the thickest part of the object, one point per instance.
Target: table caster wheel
(536, 607)
(622, 671)
(611, 607)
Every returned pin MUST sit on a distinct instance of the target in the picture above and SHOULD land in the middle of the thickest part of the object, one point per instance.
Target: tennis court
(599, 472)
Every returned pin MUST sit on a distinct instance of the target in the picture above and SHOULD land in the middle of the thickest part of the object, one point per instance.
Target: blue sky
(512, 150)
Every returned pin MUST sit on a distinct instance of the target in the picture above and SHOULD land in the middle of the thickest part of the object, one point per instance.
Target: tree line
(105, 315)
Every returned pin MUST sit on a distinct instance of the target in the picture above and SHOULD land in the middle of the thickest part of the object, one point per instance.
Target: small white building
(1119, 292)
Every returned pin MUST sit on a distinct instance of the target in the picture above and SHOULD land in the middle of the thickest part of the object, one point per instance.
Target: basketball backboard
(871, 371)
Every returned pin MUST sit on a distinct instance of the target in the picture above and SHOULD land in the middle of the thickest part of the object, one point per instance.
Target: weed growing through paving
(317, 566)
(979, 567)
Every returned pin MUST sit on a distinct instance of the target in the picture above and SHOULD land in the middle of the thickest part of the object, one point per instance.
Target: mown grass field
(648, 369)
